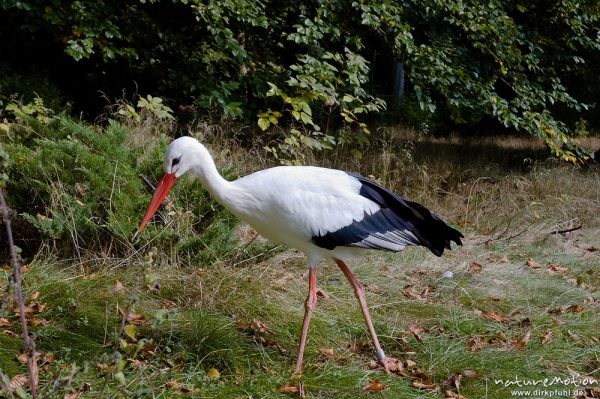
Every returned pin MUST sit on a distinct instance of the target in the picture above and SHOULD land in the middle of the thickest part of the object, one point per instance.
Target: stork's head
(181, 156)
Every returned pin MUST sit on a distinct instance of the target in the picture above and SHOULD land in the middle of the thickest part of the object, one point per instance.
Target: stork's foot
(392, 365)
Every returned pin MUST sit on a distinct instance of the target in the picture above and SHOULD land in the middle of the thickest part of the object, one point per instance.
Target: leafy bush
(80, 189)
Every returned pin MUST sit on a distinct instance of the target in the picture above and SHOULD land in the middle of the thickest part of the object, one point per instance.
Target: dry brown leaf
(475, 267)
(493, 315)
(178, 387)
(8, 332)
(33, 297)
(411, 364)
(119, 286)
(394, 366)
(74, 395)
(419, 384)
(448, 394)
(254, 325)
(38, 322)
(415, 331)
(575, 308)
(327, 353)
(521, 343)
(469, 373)
(494, 257)
(554, 268)
(409, 292)
(17, 381)
(135, 318)
(79, 189)
(374, 386)
(289, 389)
(22, 357)
(591, 249)
(547, 337)
(213, 374)
(532, 264)
(574, 337)
(5, 323)
(453, 381)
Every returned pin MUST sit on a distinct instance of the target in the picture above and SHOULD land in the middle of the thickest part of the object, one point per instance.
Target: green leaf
(264, 123)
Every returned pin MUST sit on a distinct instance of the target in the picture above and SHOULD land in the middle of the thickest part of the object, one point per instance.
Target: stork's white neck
(205, 170)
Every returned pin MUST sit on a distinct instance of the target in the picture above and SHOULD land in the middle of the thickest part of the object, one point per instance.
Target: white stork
(324, 213)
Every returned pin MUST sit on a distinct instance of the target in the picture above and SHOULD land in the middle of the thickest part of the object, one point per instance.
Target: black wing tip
(452, 235)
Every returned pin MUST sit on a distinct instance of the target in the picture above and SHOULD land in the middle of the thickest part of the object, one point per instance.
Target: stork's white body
(291, 204)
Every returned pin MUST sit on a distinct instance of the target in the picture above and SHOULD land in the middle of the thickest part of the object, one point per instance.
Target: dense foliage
(79, 189)
(321, 66)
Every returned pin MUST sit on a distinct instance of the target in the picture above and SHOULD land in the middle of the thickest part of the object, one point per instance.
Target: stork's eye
(175, 161)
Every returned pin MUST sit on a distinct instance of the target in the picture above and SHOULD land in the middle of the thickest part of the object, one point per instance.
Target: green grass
(196, 291)
(200, 330)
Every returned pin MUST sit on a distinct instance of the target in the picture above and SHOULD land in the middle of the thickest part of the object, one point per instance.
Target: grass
(238, 309)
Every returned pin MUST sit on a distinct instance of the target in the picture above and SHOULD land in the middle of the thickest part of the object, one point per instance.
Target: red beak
(160, 192)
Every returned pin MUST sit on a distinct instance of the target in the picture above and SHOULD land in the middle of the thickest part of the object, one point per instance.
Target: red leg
(309, 305)
(359, 291)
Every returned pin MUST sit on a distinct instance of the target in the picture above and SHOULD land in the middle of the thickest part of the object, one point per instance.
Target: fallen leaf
(521, 343)
(547, 337)
(554, 268)
(532, 264)
(129, 330)
(493, 315)
(475, 267)
(574, 337)
(38, 322)
(289, 389)
(422, 385)
(5, 323)
(254, 325)
(322, 294)
(409, 292)
(213, 374)
(135, 318)
(33, 297)
(74, 395)
(119, 286)
(494, 257)
(575, 308)
(374, 386)
(469, 373)
(591, 249)
(79, 189)
(411, 364)
(17, 381)
(448, 394)
(395, 366)
(453, 381)
(327, 353)
(174, 384)
(414, 330)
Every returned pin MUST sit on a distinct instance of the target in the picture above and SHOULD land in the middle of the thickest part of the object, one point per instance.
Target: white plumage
(324, 213)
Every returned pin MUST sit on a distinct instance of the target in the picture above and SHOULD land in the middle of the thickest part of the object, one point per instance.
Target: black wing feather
(399, 222)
